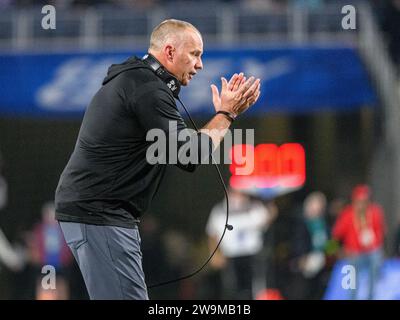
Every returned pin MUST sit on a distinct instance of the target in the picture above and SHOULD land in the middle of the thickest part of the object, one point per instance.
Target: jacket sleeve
(340, 227)
(379, 223)
(158, 114)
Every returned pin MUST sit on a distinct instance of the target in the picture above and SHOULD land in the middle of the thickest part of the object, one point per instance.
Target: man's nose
(199, 64)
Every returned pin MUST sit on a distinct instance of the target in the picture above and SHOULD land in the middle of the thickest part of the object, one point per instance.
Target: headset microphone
(229, 227)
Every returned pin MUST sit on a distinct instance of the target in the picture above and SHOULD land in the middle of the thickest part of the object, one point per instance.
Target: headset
(175, 86)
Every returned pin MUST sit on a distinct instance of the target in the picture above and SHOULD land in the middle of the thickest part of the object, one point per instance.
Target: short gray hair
(167, 30)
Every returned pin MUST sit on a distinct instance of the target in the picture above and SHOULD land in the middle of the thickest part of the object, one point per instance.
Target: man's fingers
(224, 84)
(257, 96)
(241, 83)
(251, 89)
(215, 93)
(256, 93)
(253, 99)
(238, 81)
(232, 81)
(245, 86)
(214, 90)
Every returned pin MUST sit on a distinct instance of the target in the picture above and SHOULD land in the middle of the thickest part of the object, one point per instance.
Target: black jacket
(108, 180)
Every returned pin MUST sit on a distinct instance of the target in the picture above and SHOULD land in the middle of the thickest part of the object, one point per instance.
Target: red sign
(267, 166)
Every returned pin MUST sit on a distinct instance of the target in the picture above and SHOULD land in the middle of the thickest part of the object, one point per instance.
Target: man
(235, 263)
(310, 239)
(108, 182)
(361, 228)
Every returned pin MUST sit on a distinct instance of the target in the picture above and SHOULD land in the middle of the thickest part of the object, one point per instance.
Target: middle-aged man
(109, 182)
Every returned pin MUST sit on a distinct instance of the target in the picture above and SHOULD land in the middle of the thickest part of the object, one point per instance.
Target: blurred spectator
(360, 227)
(47, 247)
(310, 241)
(233, 263)
(12, 258)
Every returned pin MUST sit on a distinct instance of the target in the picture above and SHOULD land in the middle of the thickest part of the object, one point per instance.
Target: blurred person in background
(234, 262)
(360, 227)
(311, 236)
(47, 247)
(12, 257)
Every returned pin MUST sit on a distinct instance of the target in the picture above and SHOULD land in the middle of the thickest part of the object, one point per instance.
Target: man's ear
(169, 51)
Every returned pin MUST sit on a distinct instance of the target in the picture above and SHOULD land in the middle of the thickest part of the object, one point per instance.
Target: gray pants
(109, 258)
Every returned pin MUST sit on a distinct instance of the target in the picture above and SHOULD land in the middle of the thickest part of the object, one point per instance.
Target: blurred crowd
(260, 3)
(29, 261)
(251, 264)
(254, 261)
(387, 12)
(266, 256)
(264, 4)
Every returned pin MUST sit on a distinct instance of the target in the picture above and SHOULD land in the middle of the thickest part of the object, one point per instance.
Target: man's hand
(232, 85)
(237, 95)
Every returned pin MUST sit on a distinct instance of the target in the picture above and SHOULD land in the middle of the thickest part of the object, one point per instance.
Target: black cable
(227, 226)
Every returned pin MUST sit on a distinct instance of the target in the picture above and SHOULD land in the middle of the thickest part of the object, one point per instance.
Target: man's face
(187, 58)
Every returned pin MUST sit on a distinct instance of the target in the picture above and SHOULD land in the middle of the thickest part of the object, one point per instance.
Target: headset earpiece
(172, 82)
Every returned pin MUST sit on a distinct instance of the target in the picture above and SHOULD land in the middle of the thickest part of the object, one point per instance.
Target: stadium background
(334, 91)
